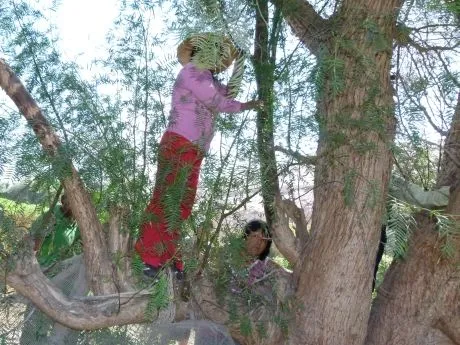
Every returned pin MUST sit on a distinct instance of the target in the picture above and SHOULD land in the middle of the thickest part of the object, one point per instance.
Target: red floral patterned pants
(179, 162)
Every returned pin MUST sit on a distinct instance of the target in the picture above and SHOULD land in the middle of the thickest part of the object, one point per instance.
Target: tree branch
(118, 242)
(310, 160)
(305, 22)
(284, 237)
(99, 270)
(298, 216)
(80, 313)
(98, 312)
(422, 108)
(403, 38)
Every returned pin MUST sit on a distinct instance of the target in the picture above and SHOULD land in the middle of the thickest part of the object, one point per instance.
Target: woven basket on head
(228, 50)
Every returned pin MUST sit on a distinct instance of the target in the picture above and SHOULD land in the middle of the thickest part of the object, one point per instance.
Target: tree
(353, 44)
(355, 111)
(428, 275)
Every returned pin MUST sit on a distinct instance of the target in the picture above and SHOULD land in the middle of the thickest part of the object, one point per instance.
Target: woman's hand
(254, 104)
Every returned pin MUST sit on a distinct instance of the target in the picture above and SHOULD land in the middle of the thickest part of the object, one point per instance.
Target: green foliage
(375, 36)
(159, 298)
(445, 7)
(261, 330)
(213, 49)
(175, 193)
(96, 128)
(245, 325)
(448, 229)
(400, 224)
(10, 237)
(233, 311)
(15, 219)
(282, 321)
(22, 209)
(329, 72)
(191, 265)
(282, 261)
(137, 265)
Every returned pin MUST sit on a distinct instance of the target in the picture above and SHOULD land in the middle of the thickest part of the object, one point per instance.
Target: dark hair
(255, 225)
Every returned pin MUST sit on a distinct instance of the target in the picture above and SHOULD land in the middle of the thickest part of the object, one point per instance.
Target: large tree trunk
(418, 302)
(357, 126)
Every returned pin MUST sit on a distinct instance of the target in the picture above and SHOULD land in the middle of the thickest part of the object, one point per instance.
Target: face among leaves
(256, 243)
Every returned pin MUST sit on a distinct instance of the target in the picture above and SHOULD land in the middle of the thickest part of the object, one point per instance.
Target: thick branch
(118, 239)
(284, 237)
(97, 312)
(99, 270)
(80, 313)
(80, 288)
(307, 25)
(298, 216)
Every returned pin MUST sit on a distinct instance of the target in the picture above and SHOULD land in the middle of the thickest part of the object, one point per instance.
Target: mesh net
(21, 323)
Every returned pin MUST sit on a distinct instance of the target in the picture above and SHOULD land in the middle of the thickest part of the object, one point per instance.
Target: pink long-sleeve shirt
(196, 101)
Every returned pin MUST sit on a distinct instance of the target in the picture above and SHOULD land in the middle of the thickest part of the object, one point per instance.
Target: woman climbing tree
(197, 98)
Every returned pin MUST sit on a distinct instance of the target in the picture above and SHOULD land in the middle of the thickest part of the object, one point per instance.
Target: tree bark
(119, 241)
(418, 301)
(309, 27)
(357, 127)
(99, 270)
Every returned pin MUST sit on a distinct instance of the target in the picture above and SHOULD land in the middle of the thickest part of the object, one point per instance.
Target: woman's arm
(206, 90)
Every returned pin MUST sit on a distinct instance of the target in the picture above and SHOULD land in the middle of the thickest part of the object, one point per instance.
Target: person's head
(258, 239)
(208, 51)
